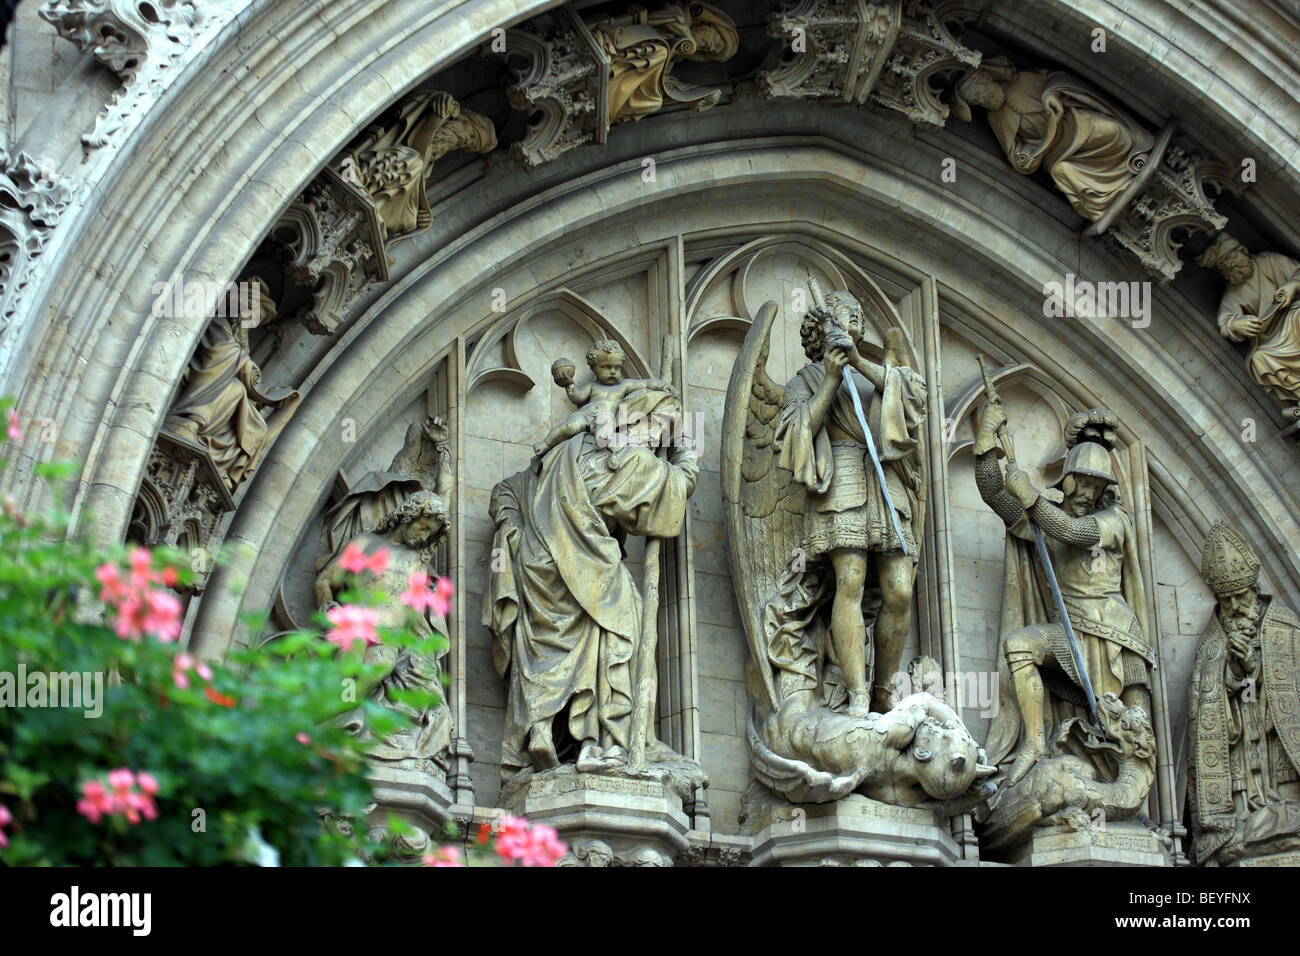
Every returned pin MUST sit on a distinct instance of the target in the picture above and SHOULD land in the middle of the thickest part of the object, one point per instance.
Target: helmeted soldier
(1091, 544)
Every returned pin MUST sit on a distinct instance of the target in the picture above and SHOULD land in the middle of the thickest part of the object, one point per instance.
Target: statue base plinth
(1118, 844)
(1289, 858)
(419, 797)
(622, 819)
(853, 831)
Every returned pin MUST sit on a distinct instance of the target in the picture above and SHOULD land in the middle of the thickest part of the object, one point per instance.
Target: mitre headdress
(1228, 564)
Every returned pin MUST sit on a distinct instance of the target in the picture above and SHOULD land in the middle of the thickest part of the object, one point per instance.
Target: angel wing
(763, 503)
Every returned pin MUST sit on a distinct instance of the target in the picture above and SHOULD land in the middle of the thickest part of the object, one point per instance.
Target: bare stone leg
(849, 629)
(897, 574)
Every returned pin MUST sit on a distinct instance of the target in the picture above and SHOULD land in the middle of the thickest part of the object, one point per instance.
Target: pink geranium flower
(417, 595)
(15, 432)
(352, 623)
(532, 844)
(355, 560)
(445, 856)
(142, 572)
(121, 796)
(182, 664)
(442, 593)
(302, 738)
(113, 589)
(163, 618)
(140, 607)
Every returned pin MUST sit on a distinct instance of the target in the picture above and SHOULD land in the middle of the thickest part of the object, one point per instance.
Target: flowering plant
(117, 746)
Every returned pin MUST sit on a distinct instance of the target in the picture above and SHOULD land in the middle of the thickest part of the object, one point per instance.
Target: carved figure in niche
(1067, 788)
(1092, 547)
(221, 401)
(404, 511)
(408, 532)
(394, 161)
(422, 464)
(1260, 307)
(1244, 715)
(643, 48)
(598, 401)
(853, 521)
(1089, 146)
(574, 636)
(806, 517)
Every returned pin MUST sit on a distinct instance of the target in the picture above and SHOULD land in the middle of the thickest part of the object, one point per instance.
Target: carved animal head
(1129, 734)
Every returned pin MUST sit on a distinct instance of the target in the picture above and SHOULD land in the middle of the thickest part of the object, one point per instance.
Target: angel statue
(814, 498)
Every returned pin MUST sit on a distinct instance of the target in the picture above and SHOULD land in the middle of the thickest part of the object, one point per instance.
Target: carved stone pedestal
(1291, 858)
(854, 831)
(607, 820)
(1119, 844)
(419, 798)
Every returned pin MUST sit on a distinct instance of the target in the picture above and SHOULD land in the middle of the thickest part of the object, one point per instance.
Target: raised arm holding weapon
(1075, 602)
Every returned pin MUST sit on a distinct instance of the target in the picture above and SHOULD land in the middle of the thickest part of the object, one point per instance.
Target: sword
(847, 384)
(1045, 560)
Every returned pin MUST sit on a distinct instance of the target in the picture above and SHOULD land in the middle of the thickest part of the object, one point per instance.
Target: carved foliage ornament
(32, 199)
(142, 42)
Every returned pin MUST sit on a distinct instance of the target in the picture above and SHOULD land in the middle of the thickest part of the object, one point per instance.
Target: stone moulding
(854, 831)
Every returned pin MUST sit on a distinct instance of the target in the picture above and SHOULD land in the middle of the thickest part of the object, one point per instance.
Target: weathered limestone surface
(519, 268)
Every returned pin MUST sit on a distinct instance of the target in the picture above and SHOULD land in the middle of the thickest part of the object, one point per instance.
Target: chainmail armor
(988, 478)
(1077, 532)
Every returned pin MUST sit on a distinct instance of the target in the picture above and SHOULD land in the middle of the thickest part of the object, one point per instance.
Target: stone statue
(1260, 307)
(806, 519)
(1089, 146)
(393, 162)
(1068, 788)
(1244, 716)
(574, 636)
(408, 533)
(1092, 547)
(599, 401)
(404, 511)
(221, 400)
(643, 47)
(854, 524)
(422, 464)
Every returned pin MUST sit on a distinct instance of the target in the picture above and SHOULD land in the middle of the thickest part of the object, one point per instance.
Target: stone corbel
(142, 43)
(331, 242)
(559, 73)
(32, 199)
(836, 50)
(1174, 192)
(896, 54)
(925, 56)
(182, 499)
